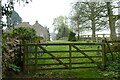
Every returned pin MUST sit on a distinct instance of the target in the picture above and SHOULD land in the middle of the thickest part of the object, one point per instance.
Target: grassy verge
(76, 73)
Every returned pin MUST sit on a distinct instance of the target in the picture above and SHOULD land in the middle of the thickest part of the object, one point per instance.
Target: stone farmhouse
(40, 30)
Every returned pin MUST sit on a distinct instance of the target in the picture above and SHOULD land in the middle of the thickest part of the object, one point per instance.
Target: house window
(41, 34)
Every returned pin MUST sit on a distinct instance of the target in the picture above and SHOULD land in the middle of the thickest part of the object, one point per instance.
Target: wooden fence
(33, 60)
(97, 37)
(46, 56)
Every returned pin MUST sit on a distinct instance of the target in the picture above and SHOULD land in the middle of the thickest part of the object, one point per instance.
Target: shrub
(11, 55)
(72, 36)
(113, 67)
(24, 33)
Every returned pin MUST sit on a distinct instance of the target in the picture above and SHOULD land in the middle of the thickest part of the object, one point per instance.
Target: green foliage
(62, 32)
(24, 33)
(61, 26)
(72, 36)
(24, 1)
(10, 52)
(14, 67)
(12, 57)
(7, 9)
(113, 67)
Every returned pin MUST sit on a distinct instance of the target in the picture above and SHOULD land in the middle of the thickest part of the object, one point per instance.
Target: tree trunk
(112, 30)
(119, 22)
(119, 32)
(0, 23)
(111, 22)
(0, 40)
(93, 30)
(78, 30)
(93, 25)
(92, 18)
(0, 26)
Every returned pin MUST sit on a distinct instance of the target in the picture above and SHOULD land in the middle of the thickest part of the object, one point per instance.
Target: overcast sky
(44, 11)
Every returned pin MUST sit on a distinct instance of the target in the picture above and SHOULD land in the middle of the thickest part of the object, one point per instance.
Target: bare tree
(112, 19)
(90, 12)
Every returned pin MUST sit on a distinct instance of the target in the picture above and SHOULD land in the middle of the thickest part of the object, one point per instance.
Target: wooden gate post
(103, 55)
(35, 67)
(70, 56)
(24, 57)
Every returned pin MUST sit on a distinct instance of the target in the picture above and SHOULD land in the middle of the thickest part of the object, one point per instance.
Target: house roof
(39, 29)
(23, 24)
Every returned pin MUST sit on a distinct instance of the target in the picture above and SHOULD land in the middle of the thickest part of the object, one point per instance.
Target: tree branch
(116, 17)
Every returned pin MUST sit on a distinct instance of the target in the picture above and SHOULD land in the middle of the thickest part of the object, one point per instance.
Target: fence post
(35, 58)
(103, 55)
(97, 38)
(103, 35)
(70, 56)
(25, 57)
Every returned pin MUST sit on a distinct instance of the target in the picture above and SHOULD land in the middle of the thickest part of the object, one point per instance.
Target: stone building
(40, 30)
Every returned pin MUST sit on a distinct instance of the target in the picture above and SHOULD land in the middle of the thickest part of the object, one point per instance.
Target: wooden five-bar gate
(56, 56)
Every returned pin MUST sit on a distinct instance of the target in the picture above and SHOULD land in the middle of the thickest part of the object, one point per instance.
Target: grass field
(74, 73)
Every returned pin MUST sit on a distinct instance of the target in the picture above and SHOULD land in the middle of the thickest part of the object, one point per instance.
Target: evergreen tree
(14, 19)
